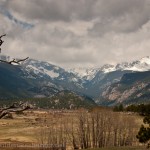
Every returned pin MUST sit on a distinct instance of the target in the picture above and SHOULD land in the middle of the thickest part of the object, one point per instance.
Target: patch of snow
(15, 64)
(74, 79)
(85, 73)
(88, 74)
(51, 73)
(56, 68)
(134, 68)
(145, 60)
(109, 70)
(35, 70)
(139, 65)
(41, 70)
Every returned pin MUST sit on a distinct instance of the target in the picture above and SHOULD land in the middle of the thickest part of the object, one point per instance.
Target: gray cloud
(77, 32)
(121, 16)
(111, 15)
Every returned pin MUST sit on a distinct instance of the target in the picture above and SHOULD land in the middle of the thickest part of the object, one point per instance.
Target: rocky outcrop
(126, 91)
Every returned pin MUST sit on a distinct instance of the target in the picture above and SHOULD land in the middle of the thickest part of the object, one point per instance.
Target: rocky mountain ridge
(45, 79)
(140, 65)
(132, 88)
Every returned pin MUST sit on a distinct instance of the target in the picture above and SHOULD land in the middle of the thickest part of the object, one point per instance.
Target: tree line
(142, 109)
(90, 130)
(143, 134)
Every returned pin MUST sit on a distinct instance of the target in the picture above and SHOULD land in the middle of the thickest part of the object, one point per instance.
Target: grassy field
(20, 129)
(121, 148)
(111, 148)
(26, 127)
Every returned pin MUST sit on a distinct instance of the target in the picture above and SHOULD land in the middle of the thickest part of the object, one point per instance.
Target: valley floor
(114, 148)
(36, 126)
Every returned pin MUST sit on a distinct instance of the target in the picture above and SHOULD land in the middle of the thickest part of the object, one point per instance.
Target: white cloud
(77, 33)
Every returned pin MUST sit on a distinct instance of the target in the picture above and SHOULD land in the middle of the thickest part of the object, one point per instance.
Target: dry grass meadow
(32, 127)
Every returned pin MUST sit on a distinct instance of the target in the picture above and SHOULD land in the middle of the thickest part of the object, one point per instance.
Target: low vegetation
(144, 110)
(61, 100)
(98, 128)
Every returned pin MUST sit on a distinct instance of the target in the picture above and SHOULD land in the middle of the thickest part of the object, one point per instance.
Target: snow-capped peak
(107, 68)
(145, 60)
(41, 68)
(84, 73)
(138, 65)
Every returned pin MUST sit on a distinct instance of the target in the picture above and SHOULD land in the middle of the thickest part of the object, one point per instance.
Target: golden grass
(23, 128)
(26, 127)
(121, 148)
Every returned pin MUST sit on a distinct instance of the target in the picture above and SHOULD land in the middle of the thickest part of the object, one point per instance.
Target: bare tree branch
(1, 41)
(15, 107)
(14, 61)
(18, 61)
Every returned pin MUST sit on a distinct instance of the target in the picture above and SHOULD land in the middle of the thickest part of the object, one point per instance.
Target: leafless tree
(104, 128)
(1, 41)
(15, 107)
(16, 61)
(90, 130)
(54, 134)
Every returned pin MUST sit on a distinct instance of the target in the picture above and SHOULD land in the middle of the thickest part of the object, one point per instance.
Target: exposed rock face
(111, 93)
(115, 93)
(124, 91)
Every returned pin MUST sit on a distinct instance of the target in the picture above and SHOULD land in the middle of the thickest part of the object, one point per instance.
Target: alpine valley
(127, 82)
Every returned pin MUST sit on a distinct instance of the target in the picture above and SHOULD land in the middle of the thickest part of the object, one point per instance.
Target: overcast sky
(76, 33)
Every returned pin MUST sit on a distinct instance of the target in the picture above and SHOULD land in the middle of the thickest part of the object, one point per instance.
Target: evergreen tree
(118, 108)
(144, 132)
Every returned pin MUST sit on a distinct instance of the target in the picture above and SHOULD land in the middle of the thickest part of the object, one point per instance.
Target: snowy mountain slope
(100, 78)
(84, 73)
(44, 68)
(138, 65)
(47, 78)
(41, 68)
(57, 76)
(142, 64)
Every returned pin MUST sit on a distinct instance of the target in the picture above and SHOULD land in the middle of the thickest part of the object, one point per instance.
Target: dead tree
(14, 61)
(15, 107)
(1, 41)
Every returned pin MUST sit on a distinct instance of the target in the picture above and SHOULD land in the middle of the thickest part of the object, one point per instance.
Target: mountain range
(127, 82)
